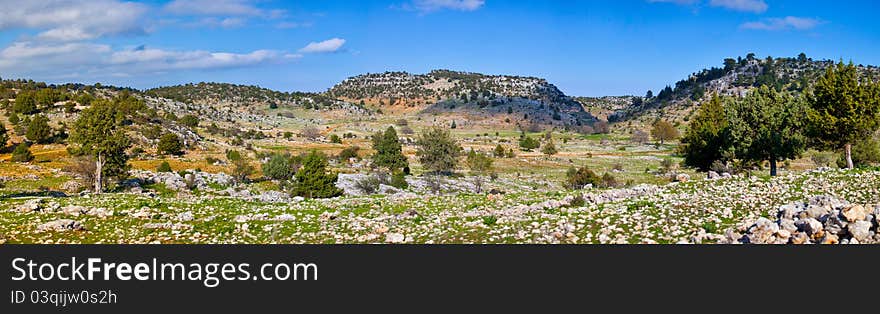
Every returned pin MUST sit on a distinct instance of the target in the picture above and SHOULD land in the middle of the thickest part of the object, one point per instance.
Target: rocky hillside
(493, 98)
(735, 78)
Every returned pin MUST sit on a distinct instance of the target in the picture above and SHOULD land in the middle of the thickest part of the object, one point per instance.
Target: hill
(479, 98)
(735, 78)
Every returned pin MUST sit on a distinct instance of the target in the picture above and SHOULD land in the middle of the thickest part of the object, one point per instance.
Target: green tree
(389, 151)
(4, 137)
(768, 125)
(98, 133)
(708, 137)
(842, 109)
(664, 131)
(549, 148)
(438, 152)
(170, 143)
(527, 143)
(313, 180)
(278, 167)
(38, 130)
(25, 103)
(22, 153)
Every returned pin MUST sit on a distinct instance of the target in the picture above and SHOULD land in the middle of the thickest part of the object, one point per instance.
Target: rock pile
(820, 220)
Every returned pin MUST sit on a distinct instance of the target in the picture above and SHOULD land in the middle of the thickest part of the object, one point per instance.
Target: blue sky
(589, 48)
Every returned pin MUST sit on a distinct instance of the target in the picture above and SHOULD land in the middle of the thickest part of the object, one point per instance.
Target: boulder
(860, 230)
(712, 175)
(855, 213)
(32, 205)
(682, 177)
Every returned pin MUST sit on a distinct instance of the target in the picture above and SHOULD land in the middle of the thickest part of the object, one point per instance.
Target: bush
(169, 143)
(608, 181)
(348, 153)
(823, 159)
(398, 180)
(578, 178)
(241, 170)
(667, 165)
(233, 155)
(527, 143)
(22, 153)
(164, 167)
(278, 167)
(335, 139)
(368, 185)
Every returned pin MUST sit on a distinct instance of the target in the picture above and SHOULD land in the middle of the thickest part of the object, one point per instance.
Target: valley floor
(703, 211)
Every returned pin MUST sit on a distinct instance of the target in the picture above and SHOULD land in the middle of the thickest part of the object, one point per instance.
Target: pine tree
(708, 138)
(843, 110)
(313, 180)
(389, 151)
(768, 125)
(4, 137)
(38, 130)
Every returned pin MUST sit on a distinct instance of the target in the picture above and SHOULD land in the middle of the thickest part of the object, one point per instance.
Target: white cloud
(755, 6)
(47, 58)
(72, 20)
(213, 7)
(330, 45)
(785, 23)
(427, 6)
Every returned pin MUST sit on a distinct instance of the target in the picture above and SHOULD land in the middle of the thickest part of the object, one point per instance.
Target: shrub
(169, 143)
(348, 153)
(22, 153)
(241, 170)
(164, 167)
(499, 151)
(278, 167)
(398, 180)
(608, 181)
(335, 139)
(527, 143)
(578, 178)
(311, 133)
(490, 220)
(4, 137)
(668, 165)
(549, 148)
(233, 155)
(368, 185)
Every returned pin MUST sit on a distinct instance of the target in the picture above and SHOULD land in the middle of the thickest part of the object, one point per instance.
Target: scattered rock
(860, 230)
(61, 225)
(394, 238)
